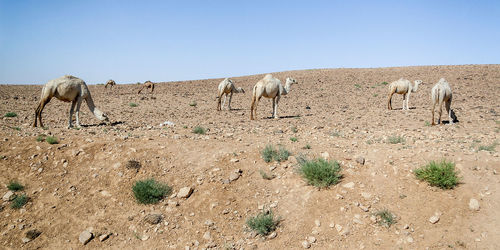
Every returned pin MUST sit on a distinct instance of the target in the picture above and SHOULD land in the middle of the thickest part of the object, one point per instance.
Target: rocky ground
(81, 188)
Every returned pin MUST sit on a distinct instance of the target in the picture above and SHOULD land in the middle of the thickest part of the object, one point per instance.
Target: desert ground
(83, 183)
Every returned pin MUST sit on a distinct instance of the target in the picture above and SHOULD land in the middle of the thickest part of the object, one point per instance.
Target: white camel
(68, 89)
(402, 87)
(147, 85)
(226, 87)
(111, 83)
(441, 92)
(270, 87)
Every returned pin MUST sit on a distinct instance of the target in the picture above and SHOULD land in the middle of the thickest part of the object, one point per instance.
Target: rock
(474, 205)
(234, 176)
(306, 244)
(311, 239)
(209, 223)
(207, 235)
(104, 237)
(317, 223)
(153, 218)
(349, 185)
(33, 234)
(85, 237)
(338, 227)
(360, 160)
(409, 239)
(105, 193)
(185, 192)
(8, 196)
(434, 219)
(366, 195)
(25, 240)
(234, 160)
(272, 235)
(325, 155)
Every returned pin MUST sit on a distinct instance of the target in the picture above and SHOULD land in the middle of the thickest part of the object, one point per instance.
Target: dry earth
(83, 181)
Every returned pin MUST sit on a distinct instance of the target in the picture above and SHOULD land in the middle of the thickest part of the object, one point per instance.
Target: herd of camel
(72, 89)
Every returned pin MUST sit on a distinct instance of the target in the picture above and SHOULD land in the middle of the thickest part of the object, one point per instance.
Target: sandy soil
(83, 181)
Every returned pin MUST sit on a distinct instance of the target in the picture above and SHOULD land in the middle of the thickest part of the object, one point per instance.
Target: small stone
(105, 193)
(33, 234)
(306, 244)
(349, 185)
(434, 219)
(8, 196)
(145, 237)
(104, 237)
(360, 160)
(85, 237)
(332, 225)
(185, 192)
(25, 240)
(366, 195)
(153, 218)
(317, 223)
(409, 239)
(311, 239)
(272, 235)
(234, 176)
(338, 227)
(474, 205)
(209, 223)
(207, 235)
(325, 155)
(234, 160)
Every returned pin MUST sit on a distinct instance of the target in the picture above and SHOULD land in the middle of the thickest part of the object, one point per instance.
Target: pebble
(234, 176)
(207, 235)
(8, 196)
(434, 219)
(325, 155)
(85, 237)
(317, 223)
(33, 234)
(104, 237)
(153, 218)
(366, 195)
(272, 235)
(311, 239)
(306, 244)
(360, 160)
(185, 192)
(474, 205)
(349, 185)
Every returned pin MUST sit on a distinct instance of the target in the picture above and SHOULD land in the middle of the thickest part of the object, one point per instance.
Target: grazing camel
(441, 92)
(67, 89)
(270, 87)
(402, 87)
(227, 87)
(111, 83)
(147, 84)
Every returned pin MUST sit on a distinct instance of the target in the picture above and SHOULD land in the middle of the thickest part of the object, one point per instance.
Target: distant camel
(147, 85)
(402, 87)
(227, 87)
(270, 87)
(441, 92)
(68, 89)
(111, 83)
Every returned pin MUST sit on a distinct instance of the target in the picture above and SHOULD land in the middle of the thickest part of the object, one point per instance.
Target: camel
(68, 89)
(111, 83)
(270, 87)
(402, 87)
(227, 87)
(441, 92)
(147, 84)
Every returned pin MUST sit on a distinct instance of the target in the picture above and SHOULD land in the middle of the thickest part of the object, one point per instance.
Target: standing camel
(402, 87)
(270, 87)
(226, 87)
(111, 83)
(147, 85)
(67, 89)
(441, 92)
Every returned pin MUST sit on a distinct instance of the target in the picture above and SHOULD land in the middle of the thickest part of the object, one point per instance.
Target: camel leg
(389, 100)
(38, 112)
(78, 104)
(408, 100)
(219, 102)
(276, 107)
(140, 89)
(447, 105)
(230, 97)
(433, 107)
(224, 103)
(273, 102)
(73, 104)
(440, 111)
(252, 107)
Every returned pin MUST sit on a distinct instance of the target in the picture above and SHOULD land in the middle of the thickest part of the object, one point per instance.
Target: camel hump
(70, 77)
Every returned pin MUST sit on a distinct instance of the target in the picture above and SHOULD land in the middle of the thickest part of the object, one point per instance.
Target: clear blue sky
(131, 41)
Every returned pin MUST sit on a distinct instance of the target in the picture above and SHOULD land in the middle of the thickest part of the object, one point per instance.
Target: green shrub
(385, 218)
(395, 139)
(282, 155)
(269, 154)
(133, 105)
(17, 128)
(193, 104)
(150, 191)
(294, 129)
(40, 138)
(307, 146)
(293, 139)
(199, 130)
(51, 140)
(320, 172)
(265, 175)
(357, 86)
(263, 223)
(441, 174)
(15, 186)
(19, 201)
(489, 148)
(10, 114)
(384, 83)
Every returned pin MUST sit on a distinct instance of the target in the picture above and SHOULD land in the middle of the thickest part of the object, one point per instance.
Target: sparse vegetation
(16, 128)
(357, 86)
(269, 154)
(265, 175)
(294, 129)
(51, 140)
(307, 146)
(133, 105)
(263, 223)
(19, 201)
(489, 148)
(10, 114)
(199, 130)
(150, 191)
(193, 104)
(335, 134)
(385, 218)
(15, 186)
(133, 164)
(441, 174)
(293, 139)
(427, 124)
(319, 172)
(396, 139)
(384, 83)
(375, 95)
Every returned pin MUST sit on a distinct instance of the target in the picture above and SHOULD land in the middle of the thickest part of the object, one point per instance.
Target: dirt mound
(84, 183)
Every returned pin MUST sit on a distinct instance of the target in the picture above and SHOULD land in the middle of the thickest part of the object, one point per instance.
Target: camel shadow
(103, 124)
(284, 117)
(402, 108)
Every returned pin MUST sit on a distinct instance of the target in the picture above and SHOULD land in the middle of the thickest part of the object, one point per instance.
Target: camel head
(417, 82)
(100, 115)
(291, 81)
(240, 90)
